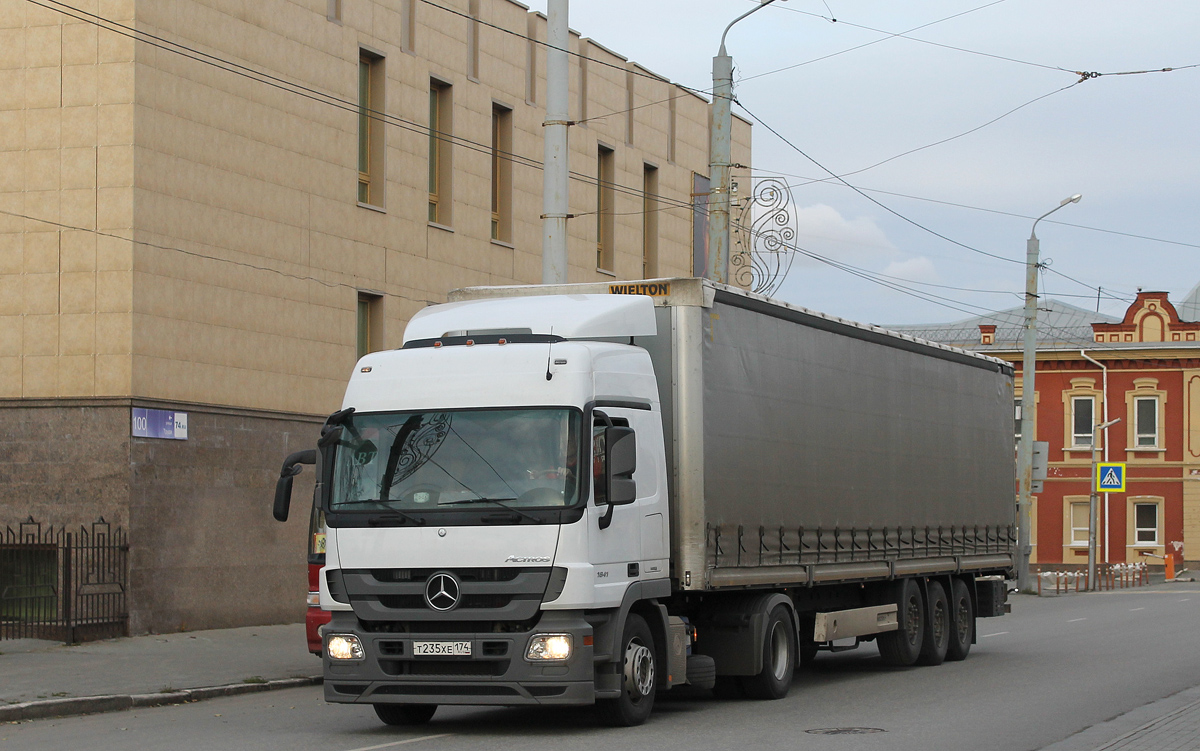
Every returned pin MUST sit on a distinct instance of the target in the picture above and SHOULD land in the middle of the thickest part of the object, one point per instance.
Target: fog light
(344, 647)
(547, 647)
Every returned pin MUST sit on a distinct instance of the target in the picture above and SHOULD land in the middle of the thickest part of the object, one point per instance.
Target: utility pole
(555, 172)
(720, 132)
(1028, 402)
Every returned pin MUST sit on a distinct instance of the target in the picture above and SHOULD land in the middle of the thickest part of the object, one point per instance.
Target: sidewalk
(1169, 724)
(48, 679)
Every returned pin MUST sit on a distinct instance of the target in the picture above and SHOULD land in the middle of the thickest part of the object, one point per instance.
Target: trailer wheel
(405, 714)
(937, 630)
(779, 658)
(633, 706)
(901, 647)
(962, 630)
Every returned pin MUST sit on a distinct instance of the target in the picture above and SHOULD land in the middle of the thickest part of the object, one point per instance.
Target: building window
(605, 180)
(473, 40)
(629, 108)
(370, 128)
(1082, 420)
(1080, 523)
(408, 24)
(501, 173)
(369, 323)
(1145, 523)
(671, 126)
(439, 152)
(531, 59)
(700, 193)
(649, 221)
(1146, 421)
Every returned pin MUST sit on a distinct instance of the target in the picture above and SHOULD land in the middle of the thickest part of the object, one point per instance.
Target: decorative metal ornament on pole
(720, 131)
(1029, 403)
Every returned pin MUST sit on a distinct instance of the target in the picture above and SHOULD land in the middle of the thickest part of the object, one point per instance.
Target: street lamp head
(1073, 199)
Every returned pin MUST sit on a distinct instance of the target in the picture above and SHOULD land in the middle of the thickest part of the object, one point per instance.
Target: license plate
(442, 648)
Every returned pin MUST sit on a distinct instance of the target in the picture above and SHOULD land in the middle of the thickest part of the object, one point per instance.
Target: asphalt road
(1052, 668)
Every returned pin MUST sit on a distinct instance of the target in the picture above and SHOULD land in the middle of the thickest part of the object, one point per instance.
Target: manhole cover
(844, 731)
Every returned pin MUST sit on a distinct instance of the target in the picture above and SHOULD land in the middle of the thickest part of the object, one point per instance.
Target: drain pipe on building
(1104, 406)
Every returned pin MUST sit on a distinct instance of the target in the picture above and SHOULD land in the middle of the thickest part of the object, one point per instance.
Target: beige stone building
(213, 207)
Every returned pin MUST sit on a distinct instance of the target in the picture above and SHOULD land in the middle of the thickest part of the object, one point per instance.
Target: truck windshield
(429, 461)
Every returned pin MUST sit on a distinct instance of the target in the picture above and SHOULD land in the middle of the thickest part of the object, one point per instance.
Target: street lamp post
(1094, 502)
(1028, 403)
(720, 129)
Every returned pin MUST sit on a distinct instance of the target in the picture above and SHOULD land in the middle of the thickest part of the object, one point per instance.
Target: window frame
(501, 178)
(1073, 541)
(650, 211)
(371, 151)
(440, 153)
(1138, 529)
(1138, 432)
(1075, 442)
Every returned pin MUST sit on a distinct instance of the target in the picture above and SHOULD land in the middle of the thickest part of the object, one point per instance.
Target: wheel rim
(639, 669)
(912, 619)
(939, 621)
(779, 651)
(963, 621)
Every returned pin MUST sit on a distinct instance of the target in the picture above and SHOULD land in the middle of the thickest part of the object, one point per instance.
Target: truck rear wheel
(779, 658)
(900, 648)
(636, 701)
(405, 714)
(937, 630)
(962, 621)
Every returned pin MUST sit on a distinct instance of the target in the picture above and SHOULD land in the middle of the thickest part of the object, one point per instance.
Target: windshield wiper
(381, 514)
(495, 502)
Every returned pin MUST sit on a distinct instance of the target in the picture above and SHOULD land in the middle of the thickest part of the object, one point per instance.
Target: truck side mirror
(283, 487)
(614, 481)
(622, 462)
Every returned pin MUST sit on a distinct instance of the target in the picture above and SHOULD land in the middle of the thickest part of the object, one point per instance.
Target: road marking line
(403, 742)
(1076, 619)
(1185, 599)
(1133, 610)
(998, 633)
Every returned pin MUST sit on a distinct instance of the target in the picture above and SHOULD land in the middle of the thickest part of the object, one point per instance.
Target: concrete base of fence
(66, 707)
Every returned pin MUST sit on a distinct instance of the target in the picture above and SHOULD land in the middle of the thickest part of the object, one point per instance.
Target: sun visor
(568, 316)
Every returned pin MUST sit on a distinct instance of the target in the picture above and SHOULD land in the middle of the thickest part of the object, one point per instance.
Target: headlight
(344, 647)
(548, 647)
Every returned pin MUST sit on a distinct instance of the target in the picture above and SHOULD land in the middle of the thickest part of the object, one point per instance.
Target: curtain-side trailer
(592, 493)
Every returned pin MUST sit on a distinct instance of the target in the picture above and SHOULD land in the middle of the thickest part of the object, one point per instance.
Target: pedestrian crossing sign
(1110, 477)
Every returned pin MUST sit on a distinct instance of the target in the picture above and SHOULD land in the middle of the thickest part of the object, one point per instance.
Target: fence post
(68, 592)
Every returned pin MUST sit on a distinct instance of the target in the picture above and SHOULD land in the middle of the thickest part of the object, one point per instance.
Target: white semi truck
(589, 494)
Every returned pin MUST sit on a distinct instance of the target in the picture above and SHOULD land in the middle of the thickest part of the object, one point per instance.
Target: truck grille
(486, 594)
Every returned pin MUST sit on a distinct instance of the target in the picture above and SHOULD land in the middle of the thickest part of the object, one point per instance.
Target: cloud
(822, 229)
(919, 269)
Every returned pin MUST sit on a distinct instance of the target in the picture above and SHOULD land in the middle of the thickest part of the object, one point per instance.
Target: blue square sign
(1110, 477)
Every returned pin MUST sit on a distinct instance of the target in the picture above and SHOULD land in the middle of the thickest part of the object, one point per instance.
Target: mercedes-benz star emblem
(442, 592)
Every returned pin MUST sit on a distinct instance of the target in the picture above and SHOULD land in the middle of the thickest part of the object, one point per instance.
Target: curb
(36, 710)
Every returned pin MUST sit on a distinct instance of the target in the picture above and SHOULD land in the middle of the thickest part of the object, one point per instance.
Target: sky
(1127, 143)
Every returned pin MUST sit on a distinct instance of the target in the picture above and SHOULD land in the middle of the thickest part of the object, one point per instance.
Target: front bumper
(496, 673)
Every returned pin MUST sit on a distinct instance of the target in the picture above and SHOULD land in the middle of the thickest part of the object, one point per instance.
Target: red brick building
(1144, 369)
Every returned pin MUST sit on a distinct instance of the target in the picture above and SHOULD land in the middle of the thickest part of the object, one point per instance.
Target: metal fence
(64, 586)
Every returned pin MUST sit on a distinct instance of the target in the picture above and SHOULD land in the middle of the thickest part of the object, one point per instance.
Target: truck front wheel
(900, 648)
(405, 714)
(779, 658)
(633, 706)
